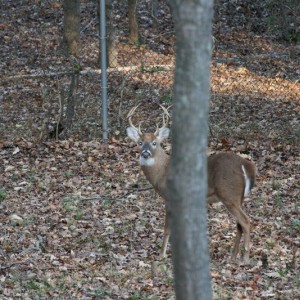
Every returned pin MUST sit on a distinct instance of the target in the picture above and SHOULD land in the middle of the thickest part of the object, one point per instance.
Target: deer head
(149, 143)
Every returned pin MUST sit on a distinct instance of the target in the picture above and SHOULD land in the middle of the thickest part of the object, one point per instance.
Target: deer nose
(146, 154)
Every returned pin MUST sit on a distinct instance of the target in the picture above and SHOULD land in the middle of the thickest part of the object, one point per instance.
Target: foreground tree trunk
(72, 26)
(187, 179)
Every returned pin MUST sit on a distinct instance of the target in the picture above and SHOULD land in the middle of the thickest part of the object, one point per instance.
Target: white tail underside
(247, 182)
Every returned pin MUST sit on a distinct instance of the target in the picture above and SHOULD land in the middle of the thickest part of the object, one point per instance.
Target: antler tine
(166, 113)
(139, 130)
(157, 129)
(129, 116)
(165, 122)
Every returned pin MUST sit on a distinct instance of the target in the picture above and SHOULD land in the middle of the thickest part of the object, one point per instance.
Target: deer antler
(129, 116)
(166, 118)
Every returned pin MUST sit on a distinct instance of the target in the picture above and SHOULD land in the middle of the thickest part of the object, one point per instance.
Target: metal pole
(103, 70)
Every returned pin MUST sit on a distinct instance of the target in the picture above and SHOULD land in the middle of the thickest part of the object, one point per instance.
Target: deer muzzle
(146, 154)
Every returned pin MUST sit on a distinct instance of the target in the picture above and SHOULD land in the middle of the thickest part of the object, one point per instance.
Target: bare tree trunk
(111, 49)
(154, 13)
(187, 178)
(71, 102)
(112, 52)
(72, 26)
(134, 37)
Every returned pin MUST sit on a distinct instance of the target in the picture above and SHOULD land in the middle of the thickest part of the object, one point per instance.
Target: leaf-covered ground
(77, 219)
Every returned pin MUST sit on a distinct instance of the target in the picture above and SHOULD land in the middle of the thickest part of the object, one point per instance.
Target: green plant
(275, 185)
(71, 205)
(141, 296)
(78, 214)
(37, 288)
(68, 174)
(68, 204)
(2, 194)
(270, 245)
(122, 228)
(296, 224)
(136, 295)
(99, 293)
(107, 203)
(284, 271)
(167, 99)
(278, 201)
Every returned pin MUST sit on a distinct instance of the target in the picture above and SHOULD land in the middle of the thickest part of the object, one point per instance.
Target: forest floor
(77, 220)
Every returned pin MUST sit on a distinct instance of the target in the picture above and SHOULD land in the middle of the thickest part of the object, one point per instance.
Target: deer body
(230, 178)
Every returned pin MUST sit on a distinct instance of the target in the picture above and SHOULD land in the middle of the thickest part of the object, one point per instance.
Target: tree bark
(72, 26)
(111, 45)
(112, 52)
(187, 178)
(134, 37)
(71, 102)
(154, 14)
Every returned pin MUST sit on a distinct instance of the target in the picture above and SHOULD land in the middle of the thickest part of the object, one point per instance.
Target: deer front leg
(165, 239)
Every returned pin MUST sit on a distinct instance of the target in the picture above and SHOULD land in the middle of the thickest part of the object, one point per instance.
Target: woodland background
(76, 221)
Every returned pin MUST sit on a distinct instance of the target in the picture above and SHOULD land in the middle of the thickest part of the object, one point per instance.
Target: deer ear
(133, 134)
(163, 133)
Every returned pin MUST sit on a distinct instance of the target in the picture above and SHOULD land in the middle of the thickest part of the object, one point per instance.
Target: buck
(230, 179)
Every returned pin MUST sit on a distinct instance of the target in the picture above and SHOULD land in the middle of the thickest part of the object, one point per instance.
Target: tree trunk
(112, 52)
(72, 26)
(71, 102)
(134, 37)
(154, 14)
(111, 48)
(187, 178)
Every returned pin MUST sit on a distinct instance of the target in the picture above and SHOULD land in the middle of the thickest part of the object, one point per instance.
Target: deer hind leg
(163, 250)
(243, 226)
(236, 248)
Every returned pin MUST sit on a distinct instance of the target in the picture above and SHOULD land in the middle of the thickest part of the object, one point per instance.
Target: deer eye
(154, 143)
(140, 143)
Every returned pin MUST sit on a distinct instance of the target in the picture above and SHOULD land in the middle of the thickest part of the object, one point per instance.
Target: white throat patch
(147, 162)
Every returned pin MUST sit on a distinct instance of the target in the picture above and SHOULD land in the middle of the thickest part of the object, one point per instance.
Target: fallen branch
(99, 198)
(89, 72)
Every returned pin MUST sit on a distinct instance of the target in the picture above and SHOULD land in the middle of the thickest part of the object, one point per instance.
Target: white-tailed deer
(230, 178)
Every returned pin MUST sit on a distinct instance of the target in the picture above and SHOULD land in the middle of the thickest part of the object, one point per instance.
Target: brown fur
(226, 183)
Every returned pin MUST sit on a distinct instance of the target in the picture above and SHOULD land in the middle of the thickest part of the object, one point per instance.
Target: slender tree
(134, 37)
(187, 179)
(111, 47)
(112, 52)
(71, 26)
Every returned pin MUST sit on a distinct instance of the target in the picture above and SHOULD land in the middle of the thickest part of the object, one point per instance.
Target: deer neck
(155, 170)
